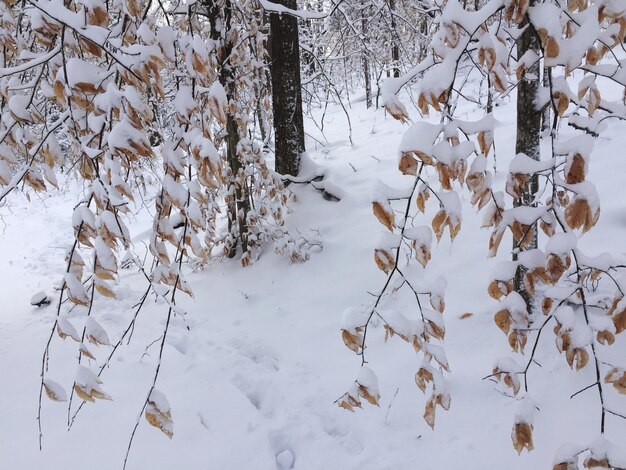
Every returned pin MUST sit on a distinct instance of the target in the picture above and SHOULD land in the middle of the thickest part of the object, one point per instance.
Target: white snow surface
(252, 371)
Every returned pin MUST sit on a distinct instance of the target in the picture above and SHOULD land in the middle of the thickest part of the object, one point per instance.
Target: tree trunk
(490, 110)
(368, 84)
(237, 202)
(545, 124)
(395, 49)
(528, 134)
(284, 52)
(365, 60)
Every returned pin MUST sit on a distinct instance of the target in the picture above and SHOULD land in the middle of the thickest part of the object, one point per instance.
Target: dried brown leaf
(522, 436)
(384, 214)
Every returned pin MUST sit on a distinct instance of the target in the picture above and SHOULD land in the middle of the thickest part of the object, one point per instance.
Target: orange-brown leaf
(522, 436)
(384, 214)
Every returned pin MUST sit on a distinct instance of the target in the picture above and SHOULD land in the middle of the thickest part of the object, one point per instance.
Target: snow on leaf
(95, 333)
(158, 413)
(368, 385)
(65, 328)
(54, 391)
(87, 385)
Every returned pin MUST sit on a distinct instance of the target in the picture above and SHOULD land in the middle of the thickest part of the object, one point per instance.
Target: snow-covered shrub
(114, 93)
(578, 45)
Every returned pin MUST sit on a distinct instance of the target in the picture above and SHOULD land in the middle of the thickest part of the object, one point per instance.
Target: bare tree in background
(284, 52)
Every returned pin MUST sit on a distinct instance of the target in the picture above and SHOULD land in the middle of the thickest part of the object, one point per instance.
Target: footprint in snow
(254, 390)
(285, 458)
(258, 353)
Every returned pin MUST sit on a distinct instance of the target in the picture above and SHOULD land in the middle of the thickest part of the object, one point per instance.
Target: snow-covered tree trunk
(284, 51)
(528, 134)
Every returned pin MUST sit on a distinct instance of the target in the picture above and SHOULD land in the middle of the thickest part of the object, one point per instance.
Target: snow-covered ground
(253, 370)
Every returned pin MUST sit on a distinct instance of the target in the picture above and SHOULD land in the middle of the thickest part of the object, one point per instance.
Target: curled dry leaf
(576, 171)
(429, 412)
(551, 48)
(398, 112)
(485, 141)
(605, 337)
(444, 400)
(90, 394)
(547, 228)
(349, 402)
(65, 329)
(517, 340)
(384, 260)
(435, 330)
(422, 377)
(618, 313)
(521, 7)
(617, 378)
(384, 213)
(370, 396)
(522, 437)
(590, 462)
(562, 102)
(158, 413)
(487, 57)
(444, 176)
(577, 357)
(517, 184)
(408, 164)
(453, 33)
(494, 241)
(522, 234)
(555, 267)
(425, 158)
(104, 290)
(508, 378)
(579, 214)
(568, 465)
(421, 199)
(441, 220)
(475, 181)
(54, 391)
(86, 352)
(422, 253)
(503, 320)
(437, 302)
(529, 282)
(354, 342)
(497, 289)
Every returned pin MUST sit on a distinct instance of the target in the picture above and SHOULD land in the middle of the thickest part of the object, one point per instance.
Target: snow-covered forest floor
(253, 370)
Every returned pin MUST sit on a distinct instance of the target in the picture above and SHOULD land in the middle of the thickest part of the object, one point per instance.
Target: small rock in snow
(40, 299)
(285, 459)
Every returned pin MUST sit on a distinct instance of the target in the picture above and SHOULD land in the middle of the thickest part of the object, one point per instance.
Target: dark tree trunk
(284, 52)
(368, 83)
(489, 110)
(545, 124)
(395, 49)
(237, 202)
(528, 133)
